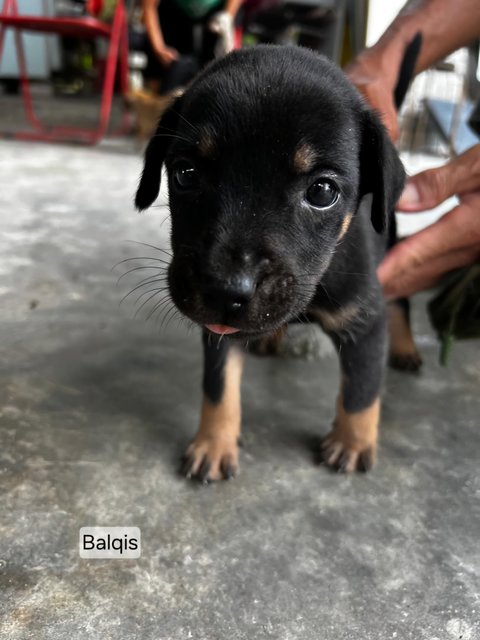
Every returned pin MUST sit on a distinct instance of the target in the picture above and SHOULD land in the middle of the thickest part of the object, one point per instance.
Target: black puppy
(282, 187)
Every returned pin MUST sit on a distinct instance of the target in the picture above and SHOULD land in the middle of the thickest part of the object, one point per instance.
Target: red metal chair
(82, 27)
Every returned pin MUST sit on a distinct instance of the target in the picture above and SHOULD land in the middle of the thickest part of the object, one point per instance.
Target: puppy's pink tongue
(222, 329)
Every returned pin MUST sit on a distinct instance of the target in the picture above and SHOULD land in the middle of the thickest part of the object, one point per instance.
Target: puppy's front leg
(213, 454)
(351, 444)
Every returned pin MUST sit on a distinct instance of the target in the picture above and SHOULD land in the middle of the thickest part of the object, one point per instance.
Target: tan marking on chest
(337, 320)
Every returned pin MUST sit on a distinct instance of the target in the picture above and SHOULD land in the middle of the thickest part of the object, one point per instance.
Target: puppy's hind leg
(213, 453)
(403, 351)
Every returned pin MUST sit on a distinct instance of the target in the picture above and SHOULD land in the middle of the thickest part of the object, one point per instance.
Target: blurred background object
(335, 28)
(77, 40)
(66, 72)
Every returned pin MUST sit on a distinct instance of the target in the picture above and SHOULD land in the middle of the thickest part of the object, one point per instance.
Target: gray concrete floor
(97, 406)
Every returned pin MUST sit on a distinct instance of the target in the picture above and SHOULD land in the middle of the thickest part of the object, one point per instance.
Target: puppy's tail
(407, 68)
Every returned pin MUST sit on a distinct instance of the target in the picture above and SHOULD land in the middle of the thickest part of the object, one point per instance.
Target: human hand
(167, 55)
(419, 261)
(375, 75)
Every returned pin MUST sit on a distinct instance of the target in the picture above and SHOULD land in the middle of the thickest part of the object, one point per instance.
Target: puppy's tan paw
(344, 456)
(210, 459)
(351, 444)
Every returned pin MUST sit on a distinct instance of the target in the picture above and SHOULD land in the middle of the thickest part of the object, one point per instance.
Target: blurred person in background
(183, 35)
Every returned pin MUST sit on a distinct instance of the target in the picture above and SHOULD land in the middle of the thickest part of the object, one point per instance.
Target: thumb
(427, 190)
(431, 187)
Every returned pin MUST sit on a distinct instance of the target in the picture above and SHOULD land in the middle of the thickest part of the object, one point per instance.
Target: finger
(389, 119)
(429, 275)
(165, 59)
(375, 78)
(431, 187)
(458, 229)
(382, 103)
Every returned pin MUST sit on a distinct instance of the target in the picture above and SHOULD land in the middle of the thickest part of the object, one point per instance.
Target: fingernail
(410, 196)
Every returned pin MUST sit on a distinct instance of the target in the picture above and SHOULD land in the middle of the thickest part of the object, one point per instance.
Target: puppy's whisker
(150, 291)
(179, 320)
(137, 269)
(167, 314)
(141, 258)
(158, 305)
(172, 317)
(162, 270)
(301, 317)
(143, 284)
(172, 135)
(161, 306)
(164, 128)
(191, 140)
(152, 280)
(326, 292)
(189, 325)
(164, 220)
(152, 246)
(183, 323)
(156, 293)
(190, 124)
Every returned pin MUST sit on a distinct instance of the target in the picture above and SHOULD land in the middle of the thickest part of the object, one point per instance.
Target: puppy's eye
(322, 194)
(185, 176)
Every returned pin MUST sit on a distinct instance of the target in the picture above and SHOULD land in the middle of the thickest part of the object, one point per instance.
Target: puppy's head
(268, 155)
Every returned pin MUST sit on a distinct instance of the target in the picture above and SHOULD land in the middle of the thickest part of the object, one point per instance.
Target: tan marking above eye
(304, 158)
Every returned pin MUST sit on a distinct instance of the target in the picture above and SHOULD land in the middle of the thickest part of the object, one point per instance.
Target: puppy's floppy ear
(381, 171)
(155, 153)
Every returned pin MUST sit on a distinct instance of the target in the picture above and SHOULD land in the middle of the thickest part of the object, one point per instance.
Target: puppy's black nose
(231, 294)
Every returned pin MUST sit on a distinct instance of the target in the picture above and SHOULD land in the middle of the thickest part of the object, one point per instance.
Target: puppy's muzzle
(254, 296)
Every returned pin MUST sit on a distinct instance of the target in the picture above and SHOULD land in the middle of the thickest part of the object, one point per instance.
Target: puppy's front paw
(343, 456)
(352, 443)
(209, 459)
